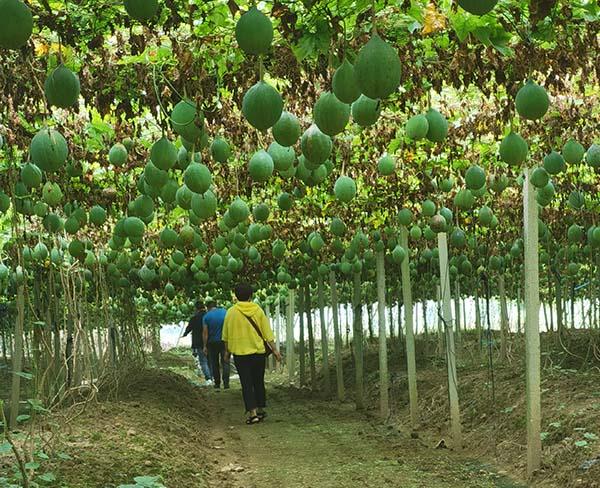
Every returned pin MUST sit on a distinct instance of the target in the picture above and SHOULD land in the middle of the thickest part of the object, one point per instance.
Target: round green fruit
(48, 150)
(554, 163)
(16, 24)
(62, 87)
(513, 149)
(377, 69)
(283, 157)
(204, 206)
(31, 175)
(254, 32)
(592, 156)
(261, 166)
(117, 156)
(532, 101)
(344, 83)
(316, 146)
(187, 121)
(386, 165)
(366, 111)
(330, 114)
(141, 10)
(163, 154)
(478, 7)
(197, 178)
(539, 177)
(573, 152)
(220, 150)
(262, 106)
(344, 189)
(287, 129)
(438, 126)
(475, 178)
(97, 215)
(417, 127)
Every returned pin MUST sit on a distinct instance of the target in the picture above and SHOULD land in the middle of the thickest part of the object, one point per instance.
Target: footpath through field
(306, 442)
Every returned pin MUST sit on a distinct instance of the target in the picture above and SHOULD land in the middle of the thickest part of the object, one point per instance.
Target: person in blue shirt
(213, 344)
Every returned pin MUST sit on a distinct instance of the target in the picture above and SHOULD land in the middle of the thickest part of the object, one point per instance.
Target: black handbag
(268, 350)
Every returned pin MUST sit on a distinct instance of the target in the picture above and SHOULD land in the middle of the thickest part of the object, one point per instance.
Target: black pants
(251, 369)
(216, 358)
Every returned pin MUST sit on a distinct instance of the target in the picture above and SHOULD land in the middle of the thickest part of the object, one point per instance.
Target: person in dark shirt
(214, 345)
(195, 327)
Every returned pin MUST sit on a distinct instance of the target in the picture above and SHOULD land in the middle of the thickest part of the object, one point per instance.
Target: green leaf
(23, 418)
(5, 448)
(47, 477)
(64, 456)
(590, 436)
(32, 465)
(581, 444)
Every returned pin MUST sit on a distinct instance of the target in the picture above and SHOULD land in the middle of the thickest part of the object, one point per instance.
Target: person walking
(214, 345)
(195, 326)
(248, 335)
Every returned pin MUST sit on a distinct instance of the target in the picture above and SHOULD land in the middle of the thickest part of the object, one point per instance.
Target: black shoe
(217, 386)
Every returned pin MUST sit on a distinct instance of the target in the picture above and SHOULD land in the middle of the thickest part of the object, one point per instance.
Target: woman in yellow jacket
(246, 333)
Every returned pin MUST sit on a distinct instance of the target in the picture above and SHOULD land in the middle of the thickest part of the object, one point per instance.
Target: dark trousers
(216, 358)
(251, 369)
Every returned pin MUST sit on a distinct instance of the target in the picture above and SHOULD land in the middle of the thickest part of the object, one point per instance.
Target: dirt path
(310, 443)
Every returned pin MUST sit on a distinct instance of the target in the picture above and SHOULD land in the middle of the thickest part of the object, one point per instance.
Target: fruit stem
(373, 18)
(261, 69)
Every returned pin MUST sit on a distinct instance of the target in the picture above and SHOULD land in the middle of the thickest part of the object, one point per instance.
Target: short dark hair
(199, 305)
(211, 304)
(243, 292)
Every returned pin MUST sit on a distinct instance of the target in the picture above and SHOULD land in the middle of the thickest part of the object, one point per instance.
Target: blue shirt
(213, 320)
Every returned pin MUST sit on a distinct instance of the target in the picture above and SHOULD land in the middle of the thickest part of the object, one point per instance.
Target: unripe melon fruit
(31, 175)
(238, 210)
(187, 121)
(576, 200)
(261, 166)
(344, 189)
(220, 150)
(197, 178)
(316, 146)
(377, 69)
(366, 111)
(478, 7)
(592, 156)
(330, 114)
(48, 150)
(204, 206)
(438, 126)
(285, 201)
(287, 129)
(52, 194)
(117, 156)
(428, 208)
(16, 24)
(405, 217)
(513, 149)
(344, 83)
(539, 177)
(142, 10)
(97, 215)
(475, 178)
(62, 87)
(261, 212)
(532, 101)
(283, 157)
(386, 165)
(163, 154)
(417, 127)
(573, 152)
(262, 106)
(254, 32)
(554, 163)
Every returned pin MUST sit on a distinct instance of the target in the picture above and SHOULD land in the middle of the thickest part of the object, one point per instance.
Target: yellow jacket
(240, 335)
